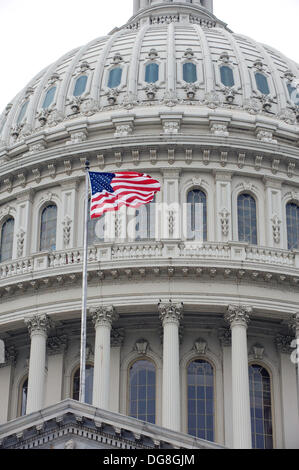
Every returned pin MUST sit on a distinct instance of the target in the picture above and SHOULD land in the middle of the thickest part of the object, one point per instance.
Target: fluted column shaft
(103, 317)
(238, 318)
(171, 315)
(38, 327)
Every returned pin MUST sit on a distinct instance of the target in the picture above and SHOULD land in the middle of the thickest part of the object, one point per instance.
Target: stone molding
(238, 314)
(39, 323)
(170, 312)
(103, 315)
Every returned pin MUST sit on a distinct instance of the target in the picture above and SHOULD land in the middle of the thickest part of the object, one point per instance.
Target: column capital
(56, 344)
(294, 324)
(103, 315)
(238, 314)
(283, 343)
(170, 313)
(38, 323)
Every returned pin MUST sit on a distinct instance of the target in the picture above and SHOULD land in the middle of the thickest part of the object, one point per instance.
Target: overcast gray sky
(35, 33)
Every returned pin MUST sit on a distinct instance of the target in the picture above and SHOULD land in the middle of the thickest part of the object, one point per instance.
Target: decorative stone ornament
(170, 312)
(117, 337)
(151, 90)
(294, 324)
(276, 223)
(224, 220)
(258, 351)
(20, 243)
(283, 343)
(225, 337)
(56, 344)
(141, 346)
(238, 314)
(103, 315)
(112, 96)
(200, 346)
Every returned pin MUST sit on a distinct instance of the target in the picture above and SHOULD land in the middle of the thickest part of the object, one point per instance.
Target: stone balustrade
(161, 251)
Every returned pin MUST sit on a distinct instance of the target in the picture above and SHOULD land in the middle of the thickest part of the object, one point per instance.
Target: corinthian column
(102, 316)
(38, 326)
(238, 318)
(171, 314)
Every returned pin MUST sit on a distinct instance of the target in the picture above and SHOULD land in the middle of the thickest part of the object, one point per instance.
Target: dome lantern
(139, 5)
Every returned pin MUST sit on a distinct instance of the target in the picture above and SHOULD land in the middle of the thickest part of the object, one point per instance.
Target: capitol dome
(200, 288)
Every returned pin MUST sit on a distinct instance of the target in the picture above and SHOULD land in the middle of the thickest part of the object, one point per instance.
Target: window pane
(196, 215)
(48, 228)
(247, 225)
(262, 83)
(80, 85)
(293, 226)
(261, 414)
(227, 76)
(6, 240)
(24, 393)
(96, 229)
(49, 97)
(22, 112)
(142, 391)
(88, 384)
(200, 399)
(152, 73)
(114, 77)
(145, 222)
(189, 72)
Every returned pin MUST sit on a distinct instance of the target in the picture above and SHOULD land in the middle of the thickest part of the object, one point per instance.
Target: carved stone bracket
(200, 346)
(117, 337)
(225, 337)
(56, 344)
(141, 346)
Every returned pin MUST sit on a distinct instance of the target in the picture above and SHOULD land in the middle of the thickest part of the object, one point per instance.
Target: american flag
(110, 191)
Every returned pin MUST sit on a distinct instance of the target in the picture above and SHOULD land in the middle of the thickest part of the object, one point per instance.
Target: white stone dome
(168, 35)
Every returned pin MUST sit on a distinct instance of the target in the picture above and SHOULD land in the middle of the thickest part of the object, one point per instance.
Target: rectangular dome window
(114, 77)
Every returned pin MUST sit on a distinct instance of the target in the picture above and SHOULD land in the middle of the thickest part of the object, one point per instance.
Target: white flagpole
(84, 290)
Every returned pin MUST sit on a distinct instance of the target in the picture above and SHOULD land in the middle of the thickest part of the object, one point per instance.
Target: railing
(164, 250)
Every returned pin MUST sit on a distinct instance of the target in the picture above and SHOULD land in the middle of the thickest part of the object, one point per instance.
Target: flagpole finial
(87, 165)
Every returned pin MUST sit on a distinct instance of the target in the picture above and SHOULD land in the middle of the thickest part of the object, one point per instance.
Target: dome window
(49, 98)
(142, 391)
(260, 407)
(88, 384)
(23, 394)
(200, 376)
(115, 77)
(294, 94)
(96, 229)
(247, 227)
(152, 73)
(48, 228)
(227, 76)
(293, 226)
(145, 222)
(6, 241)
(189, 72)
(197, 215)
(80, 85)
(22, 112)
(262, 83)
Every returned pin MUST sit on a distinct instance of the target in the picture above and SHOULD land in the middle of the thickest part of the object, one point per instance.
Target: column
(56, 347)
(38, 326)
(102, 316)
(170, 315)
(238, 318)
(117, 339)
(289, 398)
(6, 377)
(226, 343)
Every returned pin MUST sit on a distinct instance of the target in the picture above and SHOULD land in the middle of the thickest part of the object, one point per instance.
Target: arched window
(114, 77)
(292, 210)
(189, 72)
(6, 240)
(261, 407)
(22, 112)
(227, 76)
(201, 398)
(262, 83)
(49, 98)
(80, 85)
(247, 228)
(152, 73)
(96, 229)
(294, 93)
(48, 228)
(145, 222)
(142, 391)
(23, 393)
(88, 384)
(197, 215)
